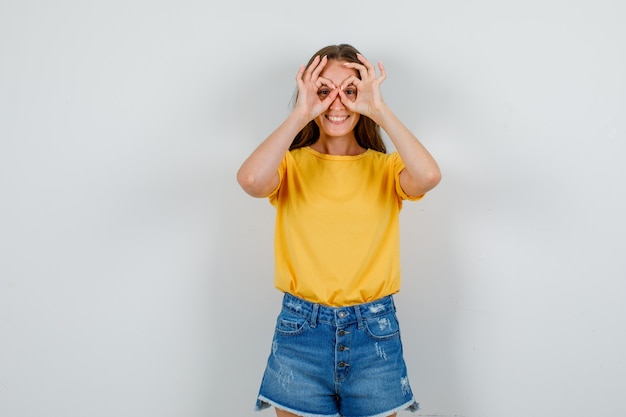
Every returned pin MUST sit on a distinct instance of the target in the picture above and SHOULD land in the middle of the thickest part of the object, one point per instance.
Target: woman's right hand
(258, 175)
(315, 93)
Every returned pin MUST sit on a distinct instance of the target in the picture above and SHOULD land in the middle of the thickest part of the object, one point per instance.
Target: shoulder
(392, 158)
(297, 154)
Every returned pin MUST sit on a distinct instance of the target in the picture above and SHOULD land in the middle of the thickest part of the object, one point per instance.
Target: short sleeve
(398, 167)
(282, 168)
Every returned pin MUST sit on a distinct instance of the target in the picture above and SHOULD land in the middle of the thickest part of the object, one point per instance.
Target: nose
(337, 104)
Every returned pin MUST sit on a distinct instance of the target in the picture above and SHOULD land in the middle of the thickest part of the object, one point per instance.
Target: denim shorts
(336, 361)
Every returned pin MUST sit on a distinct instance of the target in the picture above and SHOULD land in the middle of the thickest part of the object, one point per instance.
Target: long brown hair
(366, 131)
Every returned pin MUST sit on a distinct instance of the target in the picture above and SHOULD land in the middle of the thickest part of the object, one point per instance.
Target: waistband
(339, 316)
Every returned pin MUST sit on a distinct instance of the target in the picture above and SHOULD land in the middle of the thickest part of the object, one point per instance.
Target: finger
(309, 70)
(324, 81)
(355, 65)
(370, 68)
(359, 67)
(346, 101)
(352, 80)
(300, 73)
(329, 100)
(320, 66)
(332, 96)
(383, 73)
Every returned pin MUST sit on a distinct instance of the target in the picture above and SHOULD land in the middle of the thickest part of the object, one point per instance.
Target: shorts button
(342, 314)
(342, 348)
(342, 364)
(341, 333)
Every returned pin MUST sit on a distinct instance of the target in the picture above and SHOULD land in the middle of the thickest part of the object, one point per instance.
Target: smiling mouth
(337, 119)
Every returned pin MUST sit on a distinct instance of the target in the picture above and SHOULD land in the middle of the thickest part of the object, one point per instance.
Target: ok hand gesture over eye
(367, 99)
(315, 93)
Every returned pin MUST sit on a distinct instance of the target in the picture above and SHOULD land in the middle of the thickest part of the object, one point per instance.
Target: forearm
(422, 171)
(258, 175)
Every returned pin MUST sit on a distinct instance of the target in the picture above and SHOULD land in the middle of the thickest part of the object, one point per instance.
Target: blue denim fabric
(344, 361)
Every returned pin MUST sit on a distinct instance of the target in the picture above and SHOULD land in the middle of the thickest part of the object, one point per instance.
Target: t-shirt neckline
(337, 157)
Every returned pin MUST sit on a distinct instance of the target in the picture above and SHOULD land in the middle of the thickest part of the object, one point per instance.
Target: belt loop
(314, 311)
(359, 319)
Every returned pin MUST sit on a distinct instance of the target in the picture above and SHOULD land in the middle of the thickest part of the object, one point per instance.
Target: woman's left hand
(369, 99)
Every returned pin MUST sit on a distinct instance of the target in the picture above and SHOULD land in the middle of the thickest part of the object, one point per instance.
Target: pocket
(291, 324)
(383, 327)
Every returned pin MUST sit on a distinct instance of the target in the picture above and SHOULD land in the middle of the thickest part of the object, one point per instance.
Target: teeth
(337, 119)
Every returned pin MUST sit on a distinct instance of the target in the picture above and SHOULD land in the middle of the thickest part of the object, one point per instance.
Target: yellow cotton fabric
(337, 238)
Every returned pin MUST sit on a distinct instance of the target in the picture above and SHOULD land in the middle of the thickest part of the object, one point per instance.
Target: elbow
(429, 181)
(419, 186)
(434, 178)
(246, 181)
(250, 184)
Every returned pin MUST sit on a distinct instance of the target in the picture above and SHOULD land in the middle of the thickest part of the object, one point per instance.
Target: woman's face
(337, 120)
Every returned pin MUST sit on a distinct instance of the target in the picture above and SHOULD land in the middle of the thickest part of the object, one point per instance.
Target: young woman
(336, 349)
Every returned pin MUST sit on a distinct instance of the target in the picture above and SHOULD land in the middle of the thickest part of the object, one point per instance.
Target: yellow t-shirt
(337, 239)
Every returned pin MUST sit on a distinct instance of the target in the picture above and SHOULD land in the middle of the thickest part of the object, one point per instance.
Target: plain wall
(136, 276)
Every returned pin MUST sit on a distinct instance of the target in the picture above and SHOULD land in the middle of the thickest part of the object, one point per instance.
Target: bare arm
(421, 173)
(258, 175)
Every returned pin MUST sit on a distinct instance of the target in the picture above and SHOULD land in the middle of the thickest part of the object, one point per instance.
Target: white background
(136, 277)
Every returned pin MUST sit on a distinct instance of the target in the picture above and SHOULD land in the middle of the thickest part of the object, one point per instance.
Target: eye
(351, 91)
(323, 92)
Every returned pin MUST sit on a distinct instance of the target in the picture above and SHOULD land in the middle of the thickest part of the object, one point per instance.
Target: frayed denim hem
(414, 407)
(262, 403)
(411, 406)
